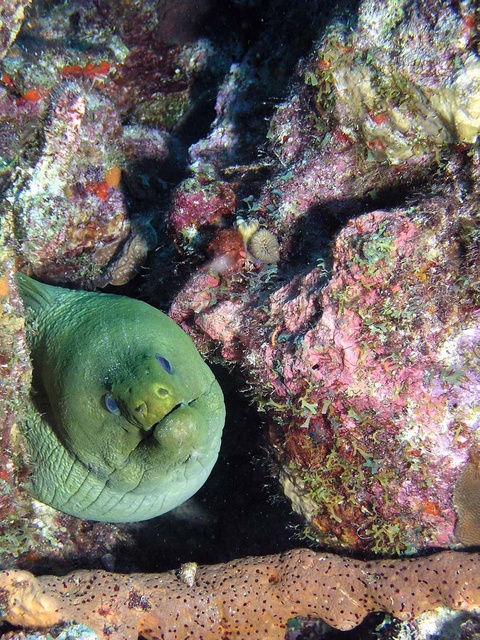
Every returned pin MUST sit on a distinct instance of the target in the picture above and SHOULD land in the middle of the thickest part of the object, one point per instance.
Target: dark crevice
(316, 230)
(238, 512)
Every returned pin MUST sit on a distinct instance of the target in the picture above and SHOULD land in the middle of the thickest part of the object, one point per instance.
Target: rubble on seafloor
(144, 145)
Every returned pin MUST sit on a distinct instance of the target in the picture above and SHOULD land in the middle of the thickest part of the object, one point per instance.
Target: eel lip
(148, 432)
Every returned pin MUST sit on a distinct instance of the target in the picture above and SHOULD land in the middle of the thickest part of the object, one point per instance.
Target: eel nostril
(162, 392)
(142, 408)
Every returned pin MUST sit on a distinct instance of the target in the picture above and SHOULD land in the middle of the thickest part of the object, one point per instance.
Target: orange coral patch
(431, 508)
(7, 81)
(33, 95)
(74, 71)
(98, 189)
(88, 71)
(379, 118)
(4, 286)
(250, 594)
(112, 176)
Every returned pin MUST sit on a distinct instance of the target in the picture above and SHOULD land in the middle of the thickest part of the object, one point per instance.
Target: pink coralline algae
(383, 395)
(362, 351)
(369, 387)
(199, 203)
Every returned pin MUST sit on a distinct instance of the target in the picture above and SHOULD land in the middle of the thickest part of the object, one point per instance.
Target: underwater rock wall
(363, 352)
(351, 155)
(369, 383)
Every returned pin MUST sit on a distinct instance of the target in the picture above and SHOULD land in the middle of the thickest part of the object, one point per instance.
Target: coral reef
(200, 202)
(253, 597)
(68, 632)
(227, 251)
(63, 161)
(381, 93)
(71, 198)
(85, 175)
(466, 499)
(16, 374)
(365, 365)
(360, 346)
(346, 139)
(387, 95)
(369, 383)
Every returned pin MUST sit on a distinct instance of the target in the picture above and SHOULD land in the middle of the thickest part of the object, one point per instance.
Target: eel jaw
(148, 432)
(147, 420)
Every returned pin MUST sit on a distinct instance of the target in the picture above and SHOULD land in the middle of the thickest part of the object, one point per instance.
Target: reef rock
(371, 383)
(70, 215)
(362, 345)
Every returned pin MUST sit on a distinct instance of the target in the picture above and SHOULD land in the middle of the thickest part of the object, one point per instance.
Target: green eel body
(132, 416)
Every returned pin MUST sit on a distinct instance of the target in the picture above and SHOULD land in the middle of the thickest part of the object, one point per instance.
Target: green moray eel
(132, 416)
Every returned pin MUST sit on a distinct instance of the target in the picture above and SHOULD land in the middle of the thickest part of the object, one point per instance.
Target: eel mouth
(132, 417)
(148, 432)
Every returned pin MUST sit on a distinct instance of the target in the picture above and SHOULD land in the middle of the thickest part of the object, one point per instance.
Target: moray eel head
(133, 416)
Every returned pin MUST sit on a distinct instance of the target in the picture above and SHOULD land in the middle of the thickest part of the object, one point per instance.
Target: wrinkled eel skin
(132, 416)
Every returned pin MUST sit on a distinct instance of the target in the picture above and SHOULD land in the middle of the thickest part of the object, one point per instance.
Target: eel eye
(164, 363)
(111, 404)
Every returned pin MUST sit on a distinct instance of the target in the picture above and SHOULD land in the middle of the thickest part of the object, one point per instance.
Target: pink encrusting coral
(253, 597)
(369, 384)
(198, 203)
(368, 372)
(383, 424)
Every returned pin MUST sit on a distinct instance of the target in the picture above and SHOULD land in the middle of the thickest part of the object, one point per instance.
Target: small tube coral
(261, 244)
